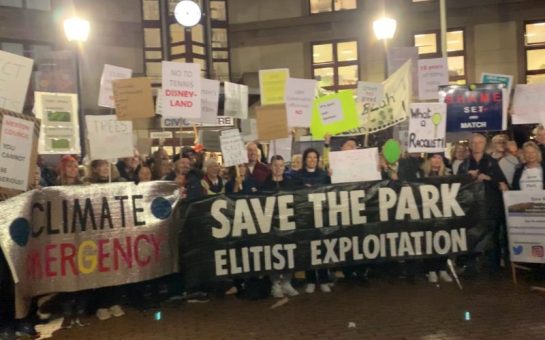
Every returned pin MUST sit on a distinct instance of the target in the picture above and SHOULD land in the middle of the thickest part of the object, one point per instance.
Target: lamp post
(77, 32)
(384, 29)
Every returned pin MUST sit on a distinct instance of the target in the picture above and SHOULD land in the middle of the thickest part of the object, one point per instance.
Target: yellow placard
(272, 85)
(333, 114)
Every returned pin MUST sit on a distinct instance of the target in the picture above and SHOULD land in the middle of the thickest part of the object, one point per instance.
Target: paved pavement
(384, 310)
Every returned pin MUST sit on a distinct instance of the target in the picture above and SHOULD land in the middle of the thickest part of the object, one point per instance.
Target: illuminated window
(534, 39)
(429, 46)
(335, 64)
(321, 6)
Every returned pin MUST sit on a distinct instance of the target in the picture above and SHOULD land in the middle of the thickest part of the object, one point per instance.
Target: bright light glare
(76, 29)
(384, 28)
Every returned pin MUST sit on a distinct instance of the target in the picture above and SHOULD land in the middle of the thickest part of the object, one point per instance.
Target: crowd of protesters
(499, 164)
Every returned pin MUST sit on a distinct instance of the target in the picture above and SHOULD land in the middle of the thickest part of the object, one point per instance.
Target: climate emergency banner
(64, 239)
(225, 237)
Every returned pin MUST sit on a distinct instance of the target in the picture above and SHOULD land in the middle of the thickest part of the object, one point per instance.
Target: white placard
(282, 147)
(431, 74)
(233, 151)
(370, 94)
(331, 111)
(59, 131)
(16, 139)
(181, 90)
(525, 216)
(14, 77)
(427, 127)
(249, 129)
(236, 100)
(109, 74)
(300, 94)
(210, 96)
(354, 166)
(159, 102)
(529, 104)
(108, 137)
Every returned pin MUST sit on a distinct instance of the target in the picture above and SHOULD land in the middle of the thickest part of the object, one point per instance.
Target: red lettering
(126, 255)
(49, 259)
(485, 97)
(156, 243)
(137, 251)
(497, 97)
(68, 257)
(34, 266)
(102, 255)
(181, 103)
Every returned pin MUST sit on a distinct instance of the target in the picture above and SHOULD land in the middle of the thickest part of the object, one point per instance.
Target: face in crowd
(436, 161)
(242, 169)
(278, 167)
(349, 145)
(311, 162)
(499, 144)
(253, 153)
(71, 170)
(540, 136)
(296, 162)
(478, 144)
(461, 152)
(530, 154)
(212, 169)
(162, 168)
(132, 162)
(102, 169)
(144, 174)
(182, 166)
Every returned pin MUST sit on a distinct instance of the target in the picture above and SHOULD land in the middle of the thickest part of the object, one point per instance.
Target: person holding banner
(311, 175)
(241, 183)
(484, 168)
(530, 175)
(212, 182)
(69, 171)
(434, 166)
(127, 166)
(281, 282)
(256, 170)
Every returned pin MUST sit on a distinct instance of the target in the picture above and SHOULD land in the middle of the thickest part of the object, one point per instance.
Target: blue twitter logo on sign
(518, 250)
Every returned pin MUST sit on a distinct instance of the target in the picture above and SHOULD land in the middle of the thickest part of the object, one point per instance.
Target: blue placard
(473, 108)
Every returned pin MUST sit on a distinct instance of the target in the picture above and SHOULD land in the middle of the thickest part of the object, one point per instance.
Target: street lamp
(384, 28)
(187, 13)
(77, 31)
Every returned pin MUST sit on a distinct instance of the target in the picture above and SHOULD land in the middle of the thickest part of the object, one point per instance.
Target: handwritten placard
(109, 74)
(300, 94)
(427, 127)
(272, 122)
(334, 114)
(133, 98)
(181, 90)
(432, 73)
(16, 144)
(370, 94)
(232, 148)
(14, 77)
(272, 85)
(354, 166)
(529, 104)
(210, 96)
(108, 137)
(236, 100)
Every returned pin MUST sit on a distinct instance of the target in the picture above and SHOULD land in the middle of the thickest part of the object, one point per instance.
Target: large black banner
(330, 226)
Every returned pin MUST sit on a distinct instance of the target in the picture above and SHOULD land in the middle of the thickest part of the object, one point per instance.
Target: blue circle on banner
(161, 208)
(19, 230)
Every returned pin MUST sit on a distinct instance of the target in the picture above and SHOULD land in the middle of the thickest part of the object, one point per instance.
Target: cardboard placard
(427, 127)
(272, 86)
(133, 98)
(108, 137)
(181, 90)
(109, 74)
(272, 122)
(14, 78)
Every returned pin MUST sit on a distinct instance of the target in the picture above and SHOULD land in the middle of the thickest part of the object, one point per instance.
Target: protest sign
(159, 102)
(109, 74)
(427, 127)
(525, 216)
(160, 134)
(477, 107)
(133, 98)
(397, 57)
(14, 77)
(236, 100)
(210, 139)
(370, 94)
(210, 96)
(181, 90)
(17, 151)
(272, 85)
(233, 151)
(248, 128)
(354, 166)
(529, 104)
(393, 109)
(59, 132)
(272, 122)
(66, 239)
(300, 94)
(177, 123)
(281, 147)
(56, 72)
(331, 226)
(333, 114)
(492, 78)
(108, 137)
(431, 74)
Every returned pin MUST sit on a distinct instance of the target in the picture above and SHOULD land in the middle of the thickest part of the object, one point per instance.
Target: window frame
(439, 54)
(535, 46)
(333, 10)
(25, 6)
(335, 64)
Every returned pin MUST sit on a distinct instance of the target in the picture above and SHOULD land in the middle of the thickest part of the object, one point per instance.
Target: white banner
(181, 90)
(525, 216)
(236, 100)
(16, 138)
(427, 127)
(108, 137)
(299, 95)
(14, 77)
(109, 74)
(354, 166)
